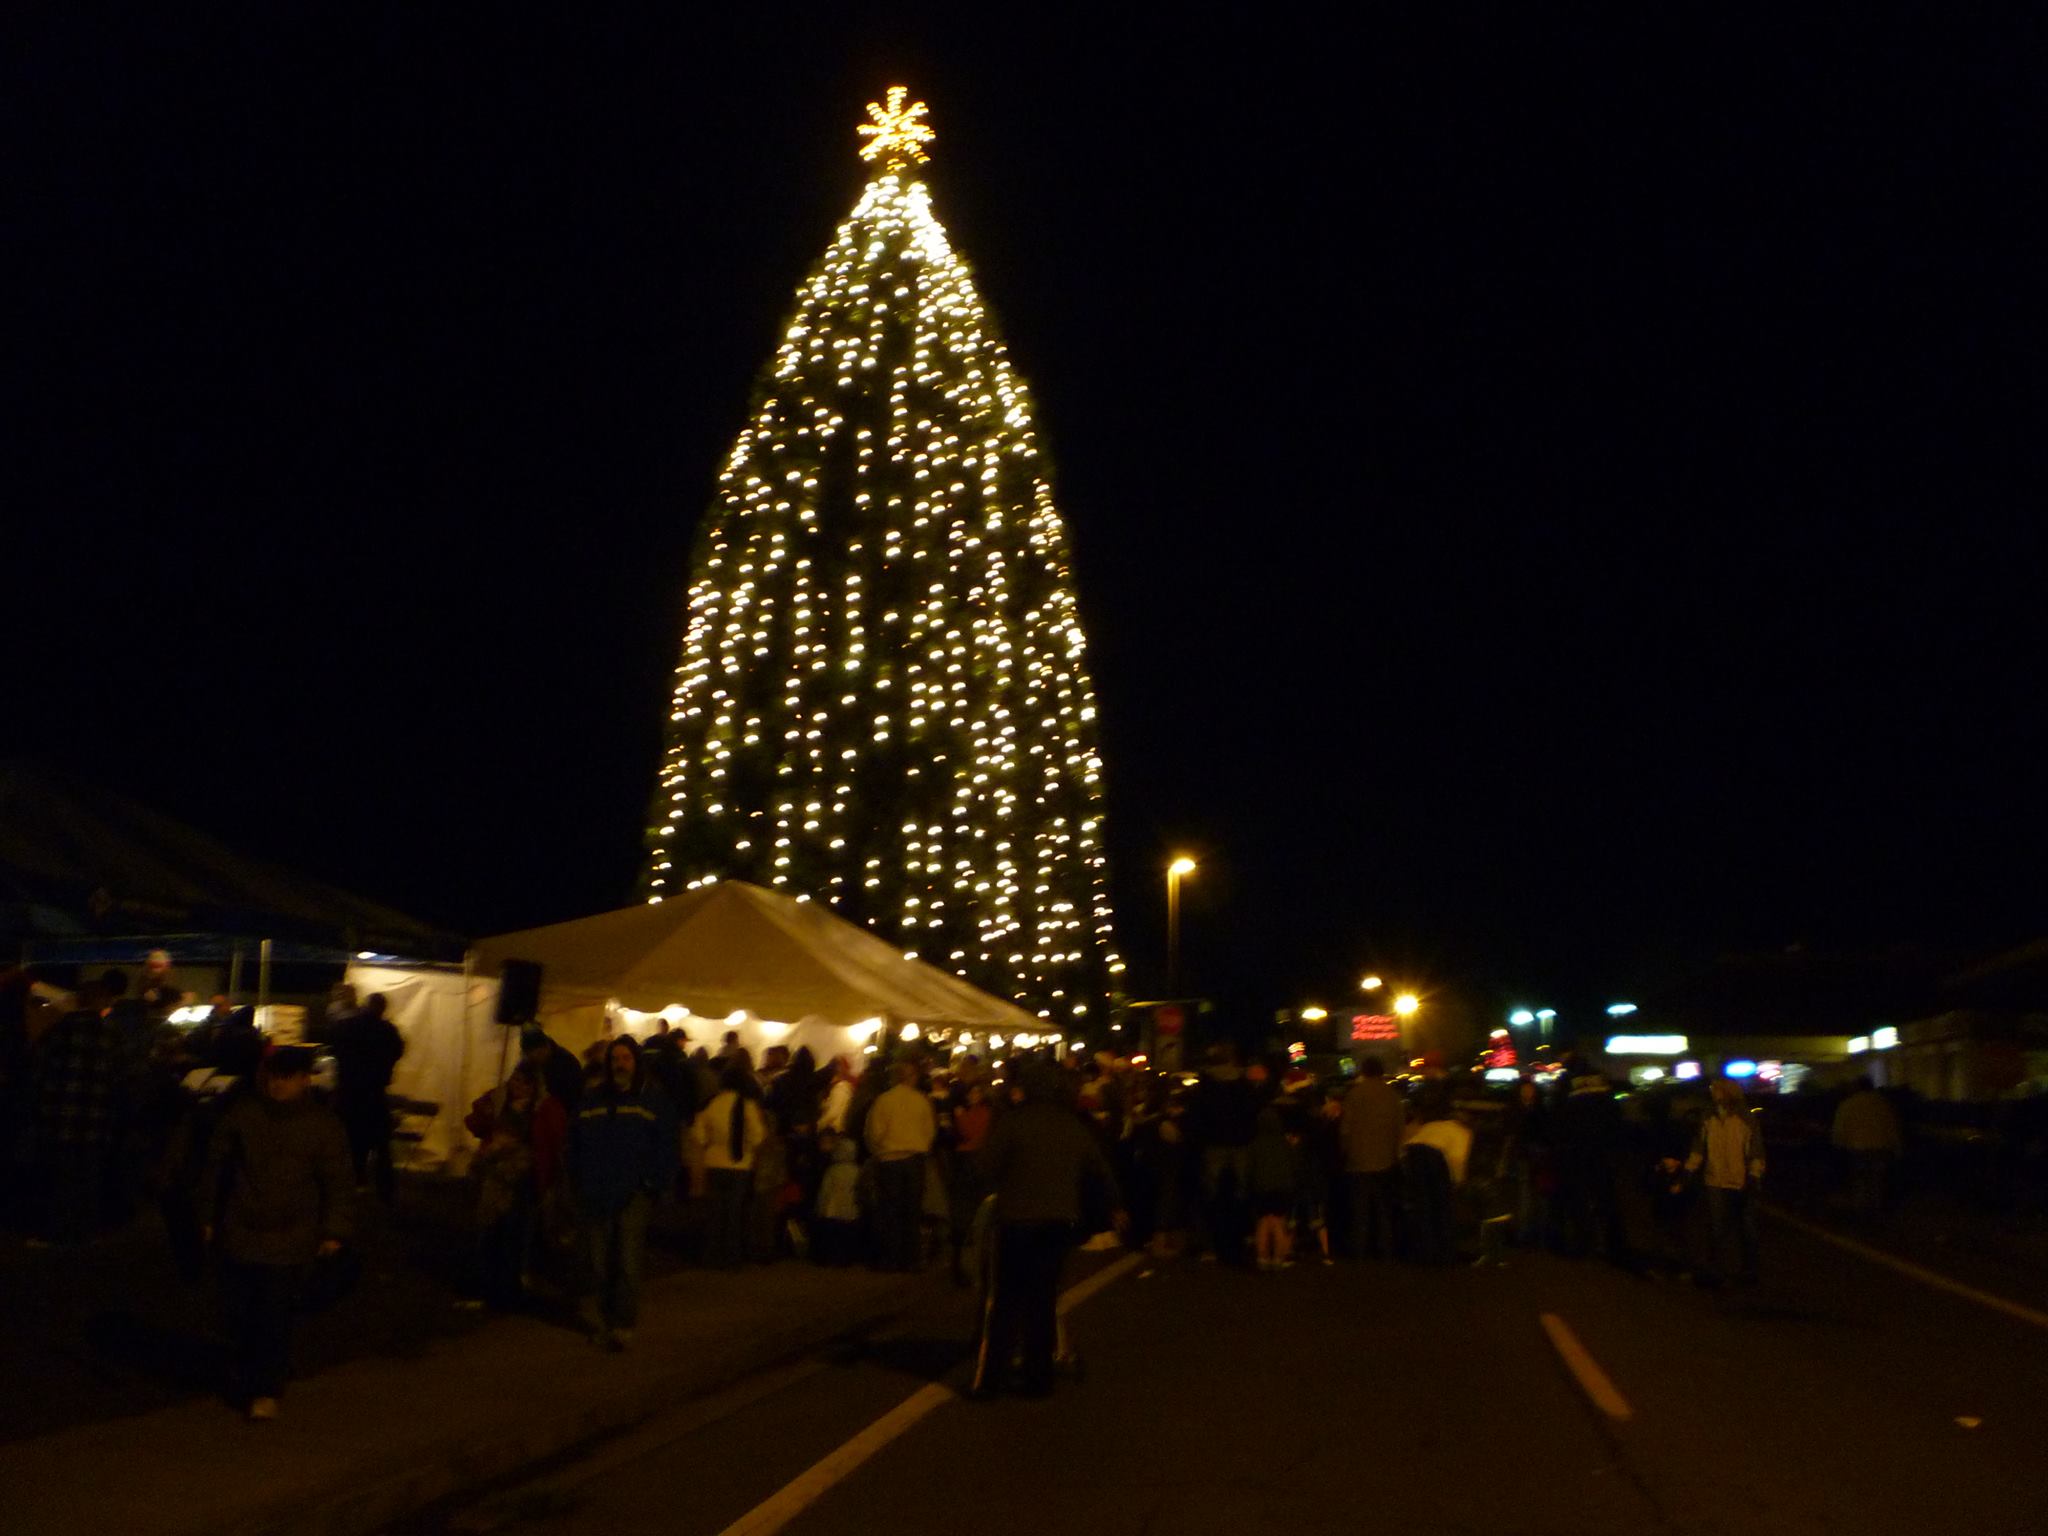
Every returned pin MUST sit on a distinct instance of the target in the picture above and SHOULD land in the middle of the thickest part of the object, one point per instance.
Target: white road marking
(793, 1498)
(783, 1506)
(1074, 1295)
(1593, 1381)
(1914, 1271)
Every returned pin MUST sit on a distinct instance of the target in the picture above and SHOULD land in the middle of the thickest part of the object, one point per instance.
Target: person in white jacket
(725, 1136)
(1730, 1151)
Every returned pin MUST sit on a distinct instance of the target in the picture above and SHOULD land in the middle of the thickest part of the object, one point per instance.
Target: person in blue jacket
(623, 1151)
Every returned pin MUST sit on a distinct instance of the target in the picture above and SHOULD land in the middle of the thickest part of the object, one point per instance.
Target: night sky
(1548, 491)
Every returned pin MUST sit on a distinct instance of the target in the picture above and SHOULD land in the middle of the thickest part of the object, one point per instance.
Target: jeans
(899, 1213)
(369, 1144)
(1226, 1198)
(258, 1300)
(74, 1191)
(1375, 1213)
(1020, 1309)
(1731, 1212)
(726, 1242)
(616, 1246)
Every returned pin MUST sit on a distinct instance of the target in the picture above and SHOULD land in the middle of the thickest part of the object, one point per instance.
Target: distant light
(366, 954)
(1858, 1044)
(1742, 1068)
(1620, 1010)
(1647, 1045)
(1686, 1071)
(1503, 1074)
(1140, 1059)
(1370, 984)
(1884, 1039)
(1406, 1004)
(909, 1032)
(1770, 1071)
(1521, 1018)
(1314, 1015)
(1546, 1014)
(736, 1018)
(1181, 866)
(1649, 1074)
(995, 1042)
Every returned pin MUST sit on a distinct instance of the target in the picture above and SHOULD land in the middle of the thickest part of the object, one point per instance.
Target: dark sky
(1547, 490)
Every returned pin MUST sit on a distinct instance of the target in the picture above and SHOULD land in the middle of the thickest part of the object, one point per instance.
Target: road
(1833, 1397)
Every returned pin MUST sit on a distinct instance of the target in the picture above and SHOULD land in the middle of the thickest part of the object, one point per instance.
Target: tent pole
(235, 977)
(263, 982)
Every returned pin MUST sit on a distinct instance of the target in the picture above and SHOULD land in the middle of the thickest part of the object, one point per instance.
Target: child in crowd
(835, 1225)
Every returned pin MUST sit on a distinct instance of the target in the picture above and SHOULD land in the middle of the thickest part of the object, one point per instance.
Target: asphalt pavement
(1837, 1395)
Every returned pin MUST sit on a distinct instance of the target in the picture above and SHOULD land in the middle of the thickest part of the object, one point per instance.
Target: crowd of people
(898, 1159)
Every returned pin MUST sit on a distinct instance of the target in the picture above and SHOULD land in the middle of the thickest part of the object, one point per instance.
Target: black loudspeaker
(519, 992)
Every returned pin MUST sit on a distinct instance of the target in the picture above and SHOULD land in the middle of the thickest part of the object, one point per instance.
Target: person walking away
(1587, 1133)
(622, 1154)
(1041, 1163)
(899, 1131)
(835, 1226)
(276, 1194)
(1371, 1134)
(366, 1047)
(1223, 1114)
(1866, 1135)
(1728, 1153)
(726, 1137)
(82, 1086)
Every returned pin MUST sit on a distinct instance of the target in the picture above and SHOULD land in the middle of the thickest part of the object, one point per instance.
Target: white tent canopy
(734, 949)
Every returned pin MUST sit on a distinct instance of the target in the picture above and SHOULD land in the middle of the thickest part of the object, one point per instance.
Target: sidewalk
(362, 1444)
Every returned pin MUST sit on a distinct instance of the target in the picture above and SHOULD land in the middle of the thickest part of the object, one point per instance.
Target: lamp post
(1174, 871)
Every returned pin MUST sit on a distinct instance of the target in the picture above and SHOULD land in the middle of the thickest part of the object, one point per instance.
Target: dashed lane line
(1913, 1271)
(1592, 1380)
(794, 1497)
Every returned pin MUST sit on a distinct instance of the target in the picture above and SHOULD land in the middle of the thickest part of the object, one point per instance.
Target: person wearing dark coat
(366, 1047)
(1040, 1163)
(276, 1194)
(559, 1067)
(623, 1152)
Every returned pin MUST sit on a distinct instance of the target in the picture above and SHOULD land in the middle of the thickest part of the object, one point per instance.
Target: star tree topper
(897, 135)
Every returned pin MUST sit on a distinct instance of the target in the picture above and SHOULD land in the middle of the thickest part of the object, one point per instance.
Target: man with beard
(623, 1152)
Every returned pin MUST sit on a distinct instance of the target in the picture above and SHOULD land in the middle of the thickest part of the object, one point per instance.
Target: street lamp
(1179, 867)
(1371, 984)
(1620, 1010)
(1313, 1014)
(1406, 1004)
(1543, 1017)
(1521, 1018)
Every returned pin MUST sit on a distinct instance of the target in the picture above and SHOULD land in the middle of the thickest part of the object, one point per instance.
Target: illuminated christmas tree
(883, 702)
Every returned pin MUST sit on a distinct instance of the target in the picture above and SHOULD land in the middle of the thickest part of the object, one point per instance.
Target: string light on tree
(883, 699)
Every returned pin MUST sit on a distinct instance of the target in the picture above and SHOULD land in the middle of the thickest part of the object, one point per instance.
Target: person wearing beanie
(276, 1194)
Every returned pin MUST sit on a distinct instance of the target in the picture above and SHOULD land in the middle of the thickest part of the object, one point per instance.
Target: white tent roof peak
(731, 946)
